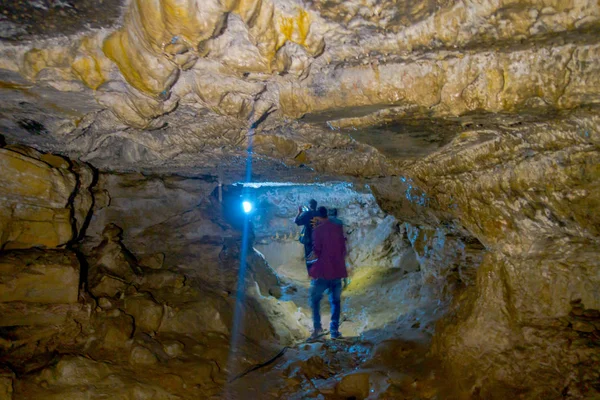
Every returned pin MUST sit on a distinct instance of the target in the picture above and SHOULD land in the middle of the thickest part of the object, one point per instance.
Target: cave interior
(153, 156)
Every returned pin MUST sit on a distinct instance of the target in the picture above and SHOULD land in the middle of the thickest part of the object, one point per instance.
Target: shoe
(316, 335)
(336, 335)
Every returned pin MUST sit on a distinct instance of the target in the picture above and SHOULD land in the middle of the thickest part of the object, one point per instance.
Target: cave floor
(384, 353)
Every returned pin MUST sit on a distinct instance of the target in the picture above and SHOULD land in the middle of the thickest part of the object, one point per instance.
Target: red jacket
(329, 246)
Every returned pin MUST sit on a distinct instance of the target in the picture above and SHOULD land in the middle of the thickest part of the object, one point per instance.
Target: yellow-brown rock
(19, 313)
(355, 385)
(531, 214)
(112, 331)
(37, 276)
(145, 311)
(76, 371)
(6, 384)
(142, 356)
(35, 202)
(112, 266)
(205, 315)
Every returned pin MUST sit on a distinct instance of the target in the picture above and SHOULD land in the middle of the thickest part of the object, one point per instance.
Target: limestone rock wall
(136, 297)
(373, 238)
(175, 223)
(36, 276)
(43, 202)
(476, 121)
(531, 210)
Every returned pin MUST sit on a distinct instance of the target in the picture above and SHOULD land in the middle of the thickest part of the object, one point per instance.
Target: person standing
(333, 216)
(327, 272)
(304, 219)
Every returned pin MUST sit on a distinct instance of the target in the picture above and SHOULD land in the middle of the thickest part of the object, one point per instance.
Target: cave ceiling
(359, 88)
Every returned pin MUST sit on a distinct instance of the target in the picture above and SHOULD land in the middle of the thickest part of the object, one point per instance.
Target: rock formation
(459, 140)
(99, 301)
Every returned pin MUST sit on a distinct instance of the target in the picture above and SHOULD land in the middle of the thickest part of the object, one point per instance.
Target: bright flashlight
(247, 206)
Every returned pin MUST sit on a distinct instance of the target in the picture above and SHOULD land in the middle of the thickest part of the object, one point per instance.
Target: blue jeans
(317, 287)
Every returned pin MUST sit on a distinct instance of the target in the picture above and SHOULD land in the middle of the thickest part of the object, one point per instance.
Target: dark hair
(313, 204)
(322, 212)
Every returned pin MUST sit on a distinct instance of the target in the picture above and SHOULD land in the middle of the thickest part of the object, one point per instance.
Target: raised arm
(303, 218)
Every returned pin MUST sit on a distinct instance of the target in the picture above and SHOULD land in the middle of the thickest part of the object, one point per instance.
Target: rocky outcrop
(35, 202)
(44, 203)
(112, 267)
(425, 68)
(176, 226)
(530, 212)
(135, 202)
(131, 314)
(36, 276)
(446, 257)
(44, 200)
(384, 246)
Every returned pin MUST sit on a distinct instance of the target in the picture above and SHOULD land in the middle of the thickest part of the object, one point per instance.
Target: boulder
(197, 317)
(142, 356)
(112, 330)
(112, 266)
(263, 274)
(145, 311)
(112, 257)
(104, 303)
(355, 385)
(75, 370)
(161, 279)
(108, 286)
(173, 348)
(153, 261)
(39, 276)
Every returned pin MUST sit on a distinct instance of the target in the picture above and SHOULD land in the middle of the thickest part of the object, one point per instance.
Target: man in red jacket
(327, 272)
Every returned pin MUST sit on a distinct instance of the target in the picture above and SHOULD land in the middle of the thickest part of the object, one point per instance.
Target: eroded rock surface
(197, 73)
(37, 204)
(36, 276)
(530, 210)
(473, 122)
(102, 304)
